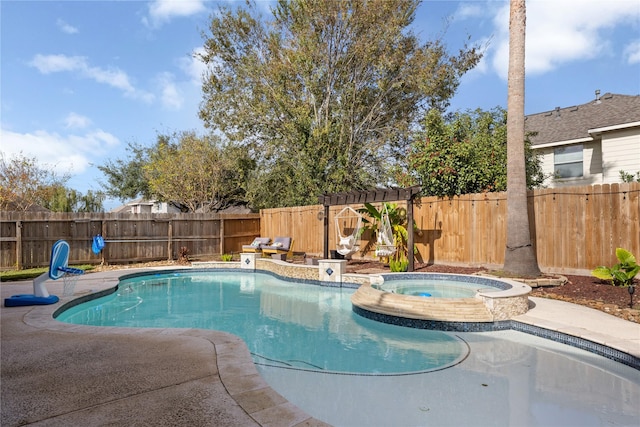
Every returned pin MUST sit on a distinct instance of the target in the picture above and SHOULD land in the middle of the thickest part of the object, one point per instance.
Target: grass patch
(32, 273)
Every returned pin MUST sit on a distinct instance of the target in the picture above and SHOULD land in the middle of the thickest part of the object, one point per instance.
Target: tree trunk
(520, 256)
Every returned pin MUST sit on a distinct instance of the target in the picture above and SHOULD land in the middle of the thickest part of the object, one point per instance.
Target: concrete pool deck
(60, 374)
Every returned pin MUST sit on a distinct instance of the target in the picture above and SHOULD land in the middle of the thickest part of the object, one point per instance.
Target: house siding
(591, 166)
(164, 207)
(621, 152)
(546, 158)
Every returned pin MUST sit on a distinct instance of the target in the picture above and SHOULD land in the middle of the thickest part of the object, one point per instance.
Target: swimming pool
(268, 314)
(347, 370)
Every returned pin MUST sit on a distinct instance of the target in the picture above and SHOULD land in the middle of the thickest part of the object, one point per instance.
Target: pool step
(426, 308)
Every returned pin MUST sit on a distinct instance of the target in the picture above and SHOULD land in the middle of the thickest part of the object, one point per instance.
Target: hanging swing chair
(385, 245)
(348, 219)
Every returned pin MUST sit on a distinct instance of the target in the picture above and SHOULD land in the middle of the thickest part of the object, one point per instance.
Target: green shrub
(226, 257)
(621, 274)
(398, 264)
(629, 177)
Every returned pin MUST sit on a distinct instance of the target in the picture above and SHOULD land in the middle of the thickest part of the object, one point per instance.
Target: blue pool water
(437, 286)
(433, 289)
(300, 336)
(284, 324)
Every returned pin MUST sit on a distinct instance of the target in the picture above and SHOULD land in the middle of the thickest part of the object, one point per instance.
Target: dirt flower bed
(583, 290)
(596, 293)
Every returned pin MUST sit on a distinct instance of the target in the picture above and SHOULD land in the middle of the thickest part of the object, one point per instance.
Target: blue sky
(81, 79)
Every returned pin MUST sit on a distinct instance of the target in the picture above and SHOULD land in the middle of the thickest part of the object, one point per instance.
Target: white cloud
(62, 153)
(469, 10)
(171, 96)
(162, 11)
(66, 28)
(114, 77)
(193, 67)
(632, 52)
(173, 90)
(47, 64)
(76, 121)
(563, 31)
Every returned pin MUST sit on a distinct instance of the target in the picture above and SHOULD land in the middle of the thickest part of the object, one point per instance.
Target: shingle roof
(570, 123)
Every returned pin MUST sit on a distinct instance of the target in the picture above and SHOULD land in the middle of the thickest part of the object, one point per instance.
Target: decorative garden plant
(398, 220)
(183, 255)
(621, 274)
(398, 263)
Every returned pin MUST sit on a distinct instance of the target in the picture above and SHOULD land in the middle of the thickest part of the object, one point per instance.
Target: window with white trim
(567, 161)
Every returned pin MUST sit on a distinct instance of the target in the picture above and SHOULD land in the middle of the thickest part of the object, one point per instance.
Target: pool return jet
(58, 267)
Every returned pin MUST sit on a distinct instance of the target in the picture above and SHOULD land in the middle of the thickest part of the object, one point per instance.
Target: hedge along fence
(27, 237)
(574, 229)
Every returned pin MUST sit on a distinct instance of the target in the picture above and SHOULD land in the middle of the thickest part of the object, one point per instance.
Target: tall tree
(520, 255)
(327, 93)
(465, 153)
(24, 183)
(190, 171)
(63, 199)
(125, 177)
(90, 202)
(197, 172)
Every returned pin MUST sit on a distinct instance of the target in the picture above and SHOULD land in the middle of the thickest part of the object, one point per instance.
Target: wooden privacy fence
(26, 237)
(574, 229)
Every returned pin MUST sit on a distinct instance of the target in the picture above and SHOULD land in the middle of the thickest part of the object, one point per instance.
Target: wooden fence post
(221, 236)
(325, 222)
(103, 233)
(170, 241)
(19, 245)
(410, 235)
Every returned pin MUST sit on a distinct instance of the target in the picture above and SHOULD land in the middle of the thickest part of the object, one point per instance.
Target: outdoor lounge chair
(257, 245)
(280, 246)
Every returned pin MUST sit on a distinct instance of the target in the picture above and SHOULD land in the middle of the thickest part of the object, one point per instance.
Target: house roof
(141, 201)
(18, 206)
(121, 209)
(574, 123)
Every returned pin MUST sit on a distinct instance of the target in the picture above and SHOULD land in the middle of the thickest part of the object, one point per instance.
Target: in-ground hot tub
(436, 287)
(455, 301)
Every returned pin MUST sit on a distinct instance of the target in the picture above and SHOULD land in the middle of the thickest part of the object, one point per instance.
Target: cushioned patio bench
(257, 245)
(280, 246)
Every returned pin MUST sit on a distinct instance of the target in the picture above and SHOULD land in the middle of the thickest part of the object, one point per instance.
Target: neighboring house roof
(574, 123)
(127, 207)
(236, 209)
(239, 208)
(141, 201)
(121, 209)
(19, 207)
(11, 202)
